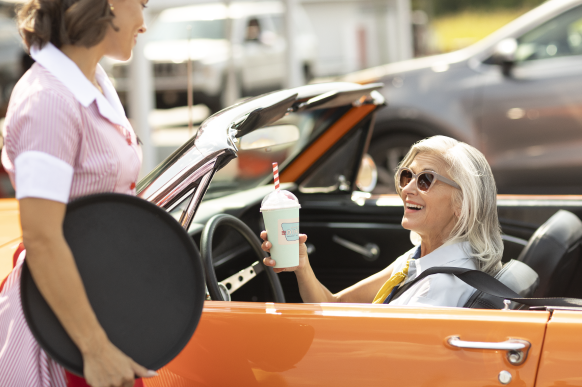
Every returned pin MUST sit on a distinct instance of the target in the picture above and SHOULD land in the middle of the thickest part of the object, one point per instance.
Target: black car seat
(553, 252)
(517, 276)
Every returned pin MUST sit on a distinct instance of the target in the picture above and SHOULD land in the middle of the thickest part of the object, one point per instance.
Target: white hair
(478, 223)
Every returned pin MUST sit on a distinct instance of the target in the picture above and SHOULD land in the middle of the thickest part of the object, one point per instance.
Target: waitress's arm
(54, 271)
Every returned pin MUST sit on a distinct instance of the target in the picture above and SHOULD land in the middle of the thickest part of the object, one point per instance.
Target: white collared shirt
(437, 289)
(69, 74)
(64, 139)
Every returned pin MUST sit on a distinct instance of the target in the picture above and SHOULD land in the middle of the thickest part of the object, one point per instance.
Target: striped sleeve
(42, 140)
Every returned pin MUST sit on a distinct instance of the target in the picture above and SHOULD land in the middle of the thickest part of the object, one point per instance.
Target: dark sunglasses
(424, 180)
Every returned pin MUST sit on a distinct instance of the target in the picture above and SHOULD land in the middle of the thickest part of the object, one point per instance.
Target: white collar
(443, 256)
(69, 74)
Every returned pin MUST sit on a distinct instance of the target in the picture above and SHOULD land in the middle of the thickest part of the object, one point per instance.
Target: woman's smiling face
(129, 21)
(430, 214)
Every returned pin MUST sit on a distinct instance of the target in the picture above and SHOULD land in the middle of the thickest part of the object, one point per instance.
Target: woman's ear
(457, 208)
(457, 204)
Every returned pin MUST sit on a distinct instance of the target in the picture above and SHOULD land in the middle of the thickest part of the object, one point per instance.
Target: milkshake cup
(281, 215)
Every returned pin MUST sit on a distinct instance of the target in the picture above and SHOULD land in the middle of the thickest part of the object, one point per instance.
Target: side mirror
(367, 175)
(269, 137)
(504, 55)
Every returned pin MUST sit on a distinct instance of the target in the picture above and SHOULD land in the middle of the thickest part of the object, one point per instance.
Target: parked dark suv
(516, 96)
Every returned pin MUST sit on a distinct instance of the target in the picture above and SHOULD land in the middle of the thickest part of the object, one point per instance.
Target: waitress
(66, 136)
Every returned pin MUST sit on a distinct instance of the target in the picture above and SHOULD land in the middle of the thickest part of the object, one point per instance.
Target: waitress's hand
(303, 258)
(106, 366)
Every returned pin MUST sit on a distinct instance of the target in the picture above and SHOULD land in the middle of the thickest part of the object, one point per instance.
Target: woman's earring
(111, 8)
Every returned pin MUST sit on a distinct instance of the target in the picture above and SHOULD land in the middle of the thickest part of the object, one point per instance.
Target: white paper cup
(283, 232)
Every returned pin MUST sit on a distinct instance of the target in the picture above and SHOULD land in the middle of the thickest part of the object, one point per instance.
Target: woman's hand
(303, 259)
(105, 365)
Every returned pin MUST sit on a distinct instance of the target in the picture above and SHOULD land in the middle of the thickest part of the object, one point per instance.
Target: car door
(531, 120)
(265, 344)
(561, 356)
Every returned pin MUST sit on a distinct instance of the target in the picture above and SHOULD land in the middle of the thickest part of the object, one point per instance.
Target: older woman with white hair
(449, 198)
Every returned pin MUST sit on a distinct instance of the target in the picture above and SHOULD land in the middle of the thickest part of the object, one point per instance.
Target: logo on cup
(290, 231)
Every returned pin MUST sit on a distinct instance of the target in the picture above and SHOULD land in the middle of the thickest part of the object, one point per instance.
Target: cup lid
(278, 200)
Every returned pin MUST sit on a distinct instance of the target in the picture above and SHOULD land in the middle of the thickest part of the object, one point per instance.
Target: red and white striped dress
(64, 139)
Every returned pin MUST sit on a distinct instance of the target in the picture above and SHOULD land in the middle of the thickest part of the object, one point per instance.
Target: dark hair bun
(77, 22)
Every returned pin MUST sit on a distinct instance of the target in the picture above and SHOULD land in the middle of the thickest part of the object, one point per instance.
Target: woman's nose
(410, 187)
(143, 28)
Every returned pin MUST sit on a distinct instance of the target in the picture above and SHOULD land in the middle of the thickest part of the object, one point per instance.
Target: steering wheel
(221, 291)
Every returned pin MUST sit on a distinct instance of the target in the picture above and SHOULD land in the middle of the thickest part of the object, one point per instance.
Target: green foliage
(442, 7)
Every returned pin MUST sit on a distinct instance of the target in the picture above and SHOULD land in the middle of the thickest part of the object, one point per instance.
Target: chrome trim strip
(380, 226)
(513, 239)
(190, 211)
(179, 183)
(538, 203)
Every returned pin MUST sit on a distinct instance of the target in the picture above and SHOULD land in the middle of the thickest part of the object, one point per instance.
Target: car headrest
(553, 252)
(517, 276)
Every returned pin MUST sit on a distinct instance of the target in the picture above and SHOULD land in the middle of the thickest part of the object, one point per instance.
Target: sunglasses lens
(425, 181)
(405, 177)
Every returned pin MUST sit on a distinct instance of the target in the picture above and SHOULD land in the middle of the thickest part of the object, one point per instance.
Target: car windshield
(252, 167)
(188, 29)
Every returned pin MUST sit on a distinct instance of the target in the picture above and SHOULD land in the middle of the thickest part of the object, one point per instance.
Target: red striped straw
(276, 176)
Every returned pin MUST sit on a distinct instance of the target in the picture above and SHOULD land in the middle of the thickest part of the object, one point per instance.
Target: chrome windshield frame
(187, 173)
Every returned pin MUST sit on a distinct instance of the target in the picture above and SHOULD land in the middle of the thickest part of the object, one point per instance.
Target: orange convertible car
(265, 336)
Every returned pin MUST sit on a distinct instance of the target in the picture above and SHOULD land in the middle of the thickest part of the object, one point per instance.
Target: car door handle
(370, 251)
(517, 349)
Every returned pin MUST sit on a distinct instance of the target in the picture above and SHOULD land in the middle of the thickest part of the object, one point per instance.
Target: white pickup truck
(258, 51)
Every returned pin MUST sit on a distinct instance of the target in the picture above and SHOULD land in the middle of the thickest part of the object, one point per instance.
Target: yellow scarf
(393, 281)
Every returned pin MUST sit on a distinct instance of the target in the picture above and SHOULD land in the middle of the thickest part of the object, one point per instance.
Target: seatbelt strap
(401, 289)
(487, 284)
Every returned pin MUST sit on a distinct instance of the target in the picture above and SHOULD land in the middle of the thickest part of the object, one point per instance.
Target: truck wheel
(388, 151)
